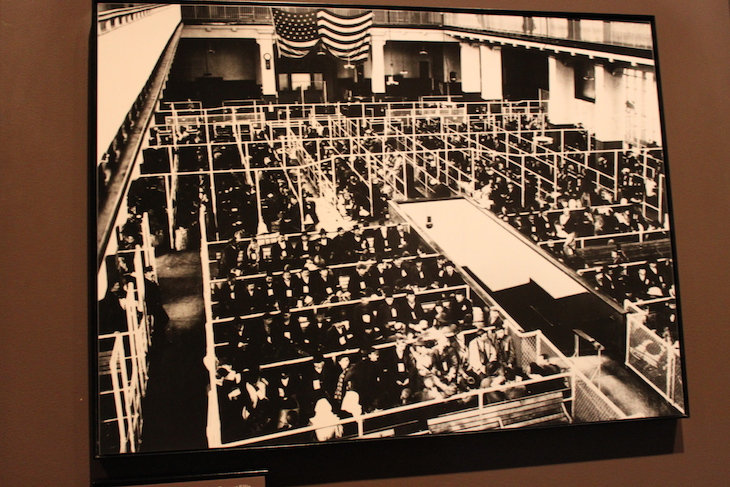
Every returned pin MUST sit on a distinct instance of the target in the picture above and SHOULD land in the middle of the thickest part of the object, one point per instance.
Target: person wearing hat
(413, 314)
(323, 246)
(481, 354)
(281, 252)
(359, 281)
(284, 391)
(359, 243)
(448, 276)
(344, 369)
(462, 309)
(443, 372)
(400, 270)
(439, 317)
(273, 344)
(342, 246)
(401, 240)
(375, 239)
(340, 336)
(317, 379)
(419, 276)
(269, 293)
(365, 319)
(324, 284)
(380, 275)
(304, 336)
(368, 381)
(244, 339)
(400, 377)
(228, 296)
(504, 346)
(251, 299)
(302, 250)
(389, 313)
(288, 289)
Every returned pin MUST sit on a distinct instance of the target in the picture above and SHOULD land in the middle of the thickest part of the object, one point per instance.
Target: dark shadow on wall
(405, 457)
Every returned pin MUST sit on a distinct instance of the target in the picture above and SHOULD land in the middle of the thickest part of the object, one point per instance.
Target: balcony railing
(615, 33)
(111, 19)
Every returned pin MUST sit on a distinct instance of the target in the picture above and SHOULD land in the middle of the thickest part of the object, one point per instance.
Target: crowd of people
(313, 327)
(652, 281)
(443, 357)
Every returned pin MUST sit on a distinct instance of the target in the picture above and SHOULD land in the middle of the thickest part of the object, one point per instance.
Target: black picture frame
(145, 157)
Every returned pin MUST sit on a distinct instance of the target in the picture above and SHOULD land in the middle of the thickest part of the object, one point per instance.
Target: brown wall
(43, 263)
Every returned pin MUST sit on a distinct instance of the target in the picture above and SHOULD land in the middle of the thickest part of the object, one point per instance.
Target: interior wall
(127, 56)
(230, 59)
(44, 401)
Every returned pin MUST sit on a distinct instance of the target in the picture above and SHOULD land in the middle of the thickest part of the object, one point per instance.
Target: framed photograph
(350, 224)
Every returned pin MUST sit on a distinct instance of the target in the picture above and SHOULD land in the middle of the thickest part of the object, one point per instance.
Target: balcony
(603, 32)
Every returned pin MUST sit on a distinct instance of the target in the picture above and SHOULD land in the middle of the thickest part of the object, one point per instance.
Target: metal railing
(606, 32)
(108, 20)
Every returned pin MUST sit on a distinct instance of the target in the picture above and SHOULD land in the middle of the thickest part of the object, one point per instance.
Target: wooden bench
(540, 408)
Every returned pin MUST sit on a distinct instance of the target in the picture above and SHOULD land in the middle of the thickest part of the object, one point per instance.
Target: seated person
(543, 367)
(481, 354)
(412, 313)
(462, 310)
(502, 376)
(448, 276)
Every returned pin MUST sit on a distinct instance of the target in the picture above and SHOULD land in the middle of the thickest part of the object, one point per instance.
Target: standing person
(315, 385)
(311, 220)
(505, 349)
(481, 354)
(284, 399)
(462, 310)
(400, 379)
(343, 382)
(158, 317)
(368, 380)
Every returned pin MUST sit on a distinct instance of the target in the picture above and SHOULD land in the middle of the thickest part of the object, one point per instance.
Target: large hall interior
(325, 224)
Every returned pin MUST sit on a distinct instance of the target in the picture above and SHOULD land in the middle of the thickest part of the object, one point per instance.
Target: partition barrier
(343, 132)
(311, 143)
(655, 359)
(578, 400)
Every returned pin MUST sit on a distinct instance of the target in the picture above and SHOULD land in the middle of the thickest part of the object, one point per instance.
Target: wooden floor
(175, 406)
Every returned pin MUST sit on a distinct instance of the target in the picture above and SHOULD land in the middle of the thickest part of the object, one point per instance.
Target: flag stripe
(364, 47)
(344, 21)
(347, 38)
(344, 37)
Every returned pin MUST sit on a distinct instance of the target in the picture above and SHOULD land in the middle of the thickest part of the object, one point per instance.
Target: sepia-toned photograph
(322, 223)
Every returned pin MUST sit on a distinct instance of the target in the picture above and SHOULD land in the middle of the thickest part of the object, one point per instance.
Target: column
(470, 70)
(610, 104)
(491, 63)
(561, 83)
(266, 61)
(377, 55)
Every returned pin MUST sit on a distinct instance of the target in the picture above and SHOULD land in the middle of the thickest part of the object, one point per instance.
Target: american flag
(347, 38)
(296, 34)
